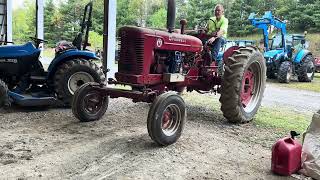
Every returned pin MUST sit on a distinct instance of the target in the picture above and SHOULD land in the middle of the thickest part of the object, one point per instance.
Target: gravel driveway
(52, 144)
(299, 100)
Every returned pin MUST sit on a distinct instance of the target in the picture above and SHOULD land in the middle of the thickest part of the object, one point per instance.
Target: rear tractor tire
(221, 68)
(307, 69)
(243, 85)
(166, 118)
(285, 72)
(4, 98)
(89, 104)
(73, 74)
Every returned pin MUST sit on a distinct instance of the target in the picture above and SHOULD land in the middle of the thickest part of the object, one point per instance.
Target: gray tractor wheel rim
(310, 71)
(78, 79)
(255, 68)
(171, 124)
(289, 74)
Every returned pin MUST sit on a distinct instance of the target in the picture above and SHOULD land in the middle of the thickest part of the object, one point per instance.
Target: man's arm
(223, 29)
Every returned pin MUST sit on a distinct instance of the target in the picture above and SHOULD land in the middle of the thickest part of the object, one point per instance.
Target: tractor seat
(18, 50)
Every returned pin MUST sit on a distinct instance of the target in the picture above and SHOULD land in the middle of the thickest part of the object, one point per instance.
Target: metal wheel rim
(289, 72)
(309, 75)
(92, 102)
(171, 119)
(251, 87)
(77, 79)
(310, 71)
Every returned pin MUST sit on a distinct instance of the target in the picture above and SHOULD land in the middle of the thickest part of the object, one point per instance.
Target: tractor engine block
(167, 62)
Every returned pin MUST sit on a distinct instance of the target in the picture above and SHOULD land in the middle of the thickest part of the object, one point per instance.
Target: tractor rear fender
(229, 52)
(66, 56)
(301, 55)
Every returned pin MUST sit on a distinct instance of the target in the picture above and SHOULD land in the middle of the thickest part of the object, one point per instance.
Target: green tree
(158, 19)
(198, 11)
(71, 16)
(51, 23)
(96, 40)
(97, 16)
(238, 17)
(24, 22)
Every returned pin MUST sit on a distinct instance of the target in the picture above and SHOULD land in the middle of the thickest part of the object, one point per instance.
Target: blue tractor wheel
(73, 74)
(271, 74)
(307, 69)
(285, 72)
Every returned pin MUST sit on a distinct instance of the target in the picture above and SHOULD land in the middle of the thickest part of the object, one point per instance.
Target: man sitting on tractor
(217, 28)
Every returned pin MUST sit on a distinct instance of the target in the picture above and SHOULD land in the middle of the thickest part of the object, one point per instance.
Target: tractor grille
(131, 54)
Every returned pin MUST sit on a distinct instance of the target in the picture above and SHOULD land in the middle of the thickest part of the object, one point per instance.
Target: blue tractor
(24, 81)
(287, 55)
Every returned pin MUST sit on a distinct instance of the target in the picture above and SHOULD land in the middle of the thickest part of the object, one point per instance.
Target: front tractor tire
(243, 85)
(166, 118)
(73, 74)
(285, 72)
(307, 69)
(89, 103)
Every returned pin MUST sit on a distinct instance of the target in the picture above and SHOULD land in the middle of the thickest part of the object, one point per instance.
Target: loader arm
(263, 23)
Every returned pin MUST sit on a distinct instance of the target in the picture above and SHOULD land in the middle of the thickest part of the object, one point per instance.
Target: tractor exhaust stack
(171, 15)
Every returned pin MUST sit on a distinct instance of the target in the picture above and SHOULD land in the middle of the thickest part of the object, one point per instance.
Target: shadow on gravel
(16, 108)
(206, 115)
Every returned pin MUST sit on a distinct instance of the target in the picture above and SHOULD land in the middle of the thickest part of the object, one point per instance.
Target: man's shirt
(214, 25)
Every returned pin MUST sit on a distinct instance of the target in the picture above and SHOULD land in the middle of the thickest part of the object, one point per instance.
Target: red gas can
(286, 156)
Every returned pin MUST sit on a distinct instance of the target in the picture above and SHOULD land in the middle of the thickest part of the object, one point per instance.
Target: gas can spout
(294, 134)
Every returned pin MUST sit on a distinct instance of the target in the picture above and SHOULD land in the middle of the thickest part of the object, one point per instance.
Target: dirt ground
(52, 144)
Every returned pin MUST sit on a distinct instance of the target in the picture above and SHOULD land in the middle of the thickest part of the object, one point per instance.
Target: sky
(17, 3)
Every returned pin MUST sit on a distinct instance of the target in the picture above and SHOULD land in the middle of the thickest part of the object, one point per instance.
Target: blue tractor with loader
(287, 56)
(23, 80)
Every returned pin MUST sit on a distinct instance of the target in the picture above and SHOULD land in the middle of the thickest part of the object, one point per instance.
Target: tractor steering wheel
(202, 30)
(37, 41)
(203, 25)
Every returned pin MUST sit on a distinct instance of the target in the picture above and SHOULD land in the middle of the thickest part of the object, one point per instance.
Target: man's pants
(216, 45)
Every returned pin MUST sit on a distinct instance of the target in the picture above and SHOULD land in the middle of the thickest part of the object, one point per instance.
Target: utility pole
(109, 36)
(9, 20)
(40, 20)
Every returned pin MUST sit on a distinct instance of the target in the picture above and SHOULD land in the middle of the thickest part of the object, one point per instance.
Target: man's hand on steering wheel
(213, 38)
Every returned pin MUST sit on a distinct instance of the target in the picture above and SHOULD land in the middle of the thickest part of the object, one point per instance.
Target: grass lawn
(48, 52)
(282, 119)
(313, 86)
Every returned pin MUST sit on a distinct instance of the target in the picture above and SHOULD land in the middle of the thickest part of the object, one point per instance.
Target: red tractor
(317, 63)
(158, 64)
